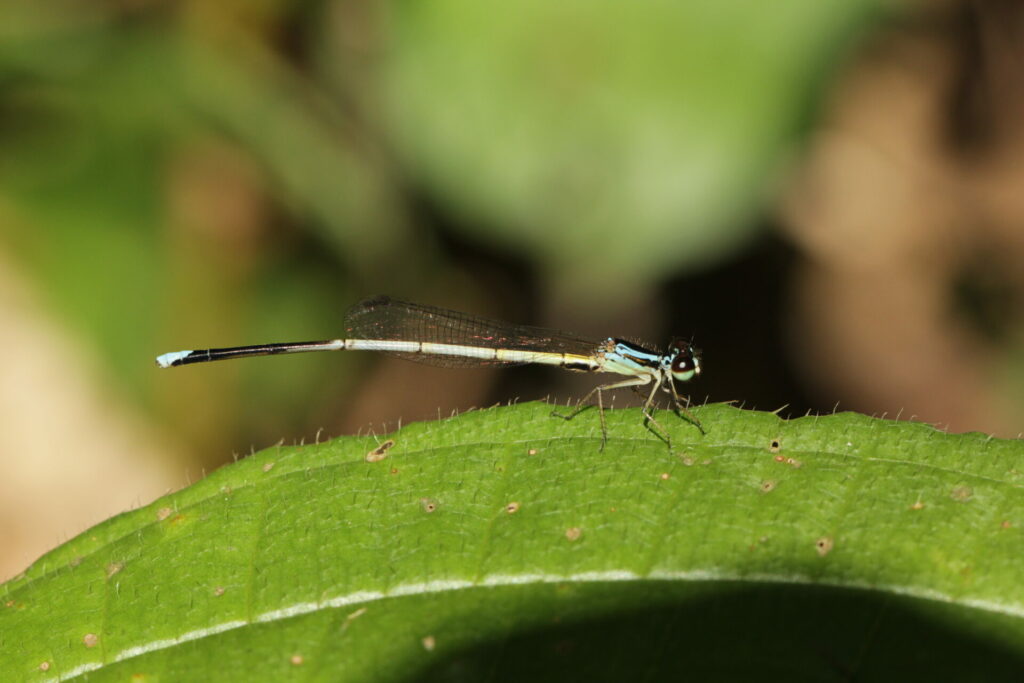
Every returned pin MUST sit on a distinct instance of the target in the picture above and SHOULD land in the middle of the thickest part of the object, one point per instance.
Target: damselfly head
(685, 360)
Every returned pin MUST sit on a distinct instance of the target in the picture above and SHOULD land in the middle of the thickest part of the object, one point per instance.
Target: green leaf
(504, 545)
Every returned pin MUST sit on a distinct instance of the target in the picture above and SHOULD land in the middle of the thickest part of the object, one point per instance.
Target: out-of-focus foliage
(612, 143)
(177, 174)
(908, 212)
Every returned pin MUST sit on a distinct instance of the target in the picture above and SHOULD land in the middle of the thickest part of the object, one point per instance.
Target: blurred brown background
(829, 197)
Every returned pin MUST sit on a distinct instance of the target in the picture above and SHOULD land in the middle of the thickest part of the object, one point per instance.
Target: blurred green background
(826, 196)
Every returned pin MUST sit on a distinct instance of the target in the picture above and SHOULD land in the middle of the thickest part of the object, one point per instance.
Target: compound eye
(685, 362)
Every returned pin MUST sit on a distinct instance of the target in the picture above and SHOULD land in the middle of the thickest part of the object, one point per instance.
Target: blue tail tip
(168, 360)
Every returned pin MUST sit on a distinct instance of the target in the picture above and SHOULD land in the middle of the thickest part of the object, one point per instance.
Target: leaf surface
(503, 543)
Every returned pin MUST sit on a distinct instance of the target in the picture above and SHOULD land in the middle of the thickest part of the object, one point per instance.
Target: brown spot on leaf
(380, 452)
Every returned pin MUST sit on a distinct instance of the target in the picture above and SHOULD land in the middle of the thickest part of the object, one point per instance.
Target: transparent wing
(385, 318)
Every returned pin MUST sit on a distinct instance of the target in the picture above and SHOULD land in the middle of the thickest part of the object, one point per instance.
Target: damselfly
(441, 337)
